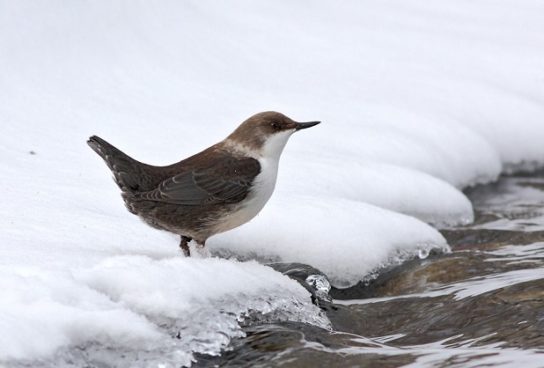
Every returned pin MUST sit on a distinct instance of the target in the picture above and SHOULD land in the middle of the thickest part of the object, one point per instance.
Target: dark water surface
(481, 305)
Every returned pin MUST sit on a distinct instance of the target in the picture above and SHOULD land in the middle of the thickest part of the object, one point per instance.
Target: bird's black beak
(308, 124)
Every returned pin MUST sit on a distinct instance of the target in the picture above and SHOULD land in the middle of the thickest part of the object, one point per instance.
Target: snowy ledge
(149, 311)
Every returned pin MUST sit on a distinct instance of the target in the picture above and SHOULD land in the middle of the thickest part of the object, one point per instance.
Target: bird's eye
(276, 126)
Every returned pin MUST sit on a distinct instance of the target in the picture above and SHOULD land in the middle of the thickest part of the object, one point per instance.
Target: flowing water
(480, 305)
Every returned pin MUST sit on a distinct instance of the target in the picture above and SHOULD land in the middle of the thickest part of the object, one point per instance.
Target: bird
(213, 191)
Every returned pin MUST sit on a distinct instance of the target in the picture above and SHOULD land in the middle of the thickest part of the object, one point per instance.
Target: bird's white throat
(274, 145)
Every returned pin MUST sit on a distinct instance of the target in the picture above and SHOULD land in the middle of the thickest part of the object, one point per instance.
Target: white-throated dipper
(216, 190)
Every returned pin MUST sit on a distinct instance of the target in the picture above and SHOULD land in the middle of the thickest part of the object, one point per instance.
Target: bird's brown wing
(225, 181)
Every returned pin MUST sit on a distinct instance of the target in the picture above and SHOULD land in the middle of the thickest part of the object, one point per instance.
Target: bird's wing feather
(224, 181)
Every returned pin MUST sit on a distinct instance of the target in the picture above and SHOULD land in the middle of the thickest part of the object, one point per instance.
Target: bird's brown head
(267, 131)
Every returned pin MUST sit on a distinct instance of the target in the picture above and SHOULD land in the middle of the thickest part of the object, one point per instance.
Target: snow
(137, 305)
(345, 239)
(393, 187)
(418, 100)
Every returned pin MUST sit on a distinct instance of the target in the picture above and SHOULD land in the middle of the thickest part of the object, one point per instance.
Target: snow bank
(393, 187)
(417, 99)
(347, 240)
(152, 311)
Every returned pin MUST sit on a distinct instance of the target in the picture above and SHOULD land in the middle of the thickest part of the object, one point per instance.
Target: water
(480, 305)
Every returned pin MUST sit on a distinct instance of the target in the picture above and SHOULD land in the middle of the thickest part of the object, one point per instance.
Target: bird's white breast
(263, 185)
(261, 191)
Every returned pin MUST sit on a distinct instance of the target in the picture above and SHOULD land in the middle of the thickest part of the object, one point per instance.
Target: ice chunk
(321, 286)
(423, 253)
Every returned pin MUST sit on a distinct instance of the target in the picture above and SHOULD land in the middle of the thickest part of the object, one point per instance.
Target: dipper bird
(216, 190)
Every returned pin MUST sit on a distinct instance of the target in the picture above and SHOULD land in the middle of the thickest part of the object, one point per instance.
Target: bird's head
(266, 133)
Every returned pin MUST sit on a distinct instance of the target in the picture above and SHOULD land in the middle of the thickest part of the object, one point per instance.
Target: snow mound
(347, 240)
(392, 187)
(439, 146)
(150, 311)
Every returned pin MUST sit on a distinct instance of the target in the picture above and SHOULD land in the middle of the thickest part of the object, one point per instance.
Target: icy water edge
(481, 305)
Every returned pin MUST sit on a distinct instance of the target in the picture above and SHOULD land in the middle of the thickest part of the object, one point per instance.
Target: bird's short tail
(127, 172)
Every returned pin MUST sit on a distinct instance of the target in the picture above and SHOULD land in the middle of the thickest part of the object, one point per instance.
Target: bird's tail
(127, 172)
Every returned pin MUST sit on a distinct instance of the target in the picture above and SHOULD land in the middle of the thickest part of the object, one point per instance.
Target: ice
(423, 253)
(166, 309)
(319, 282)
(418, 100)
(321, 286)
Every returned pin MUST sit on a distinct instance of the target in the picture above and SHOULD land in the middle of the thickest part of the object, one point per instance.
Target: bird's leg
(185, 246)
